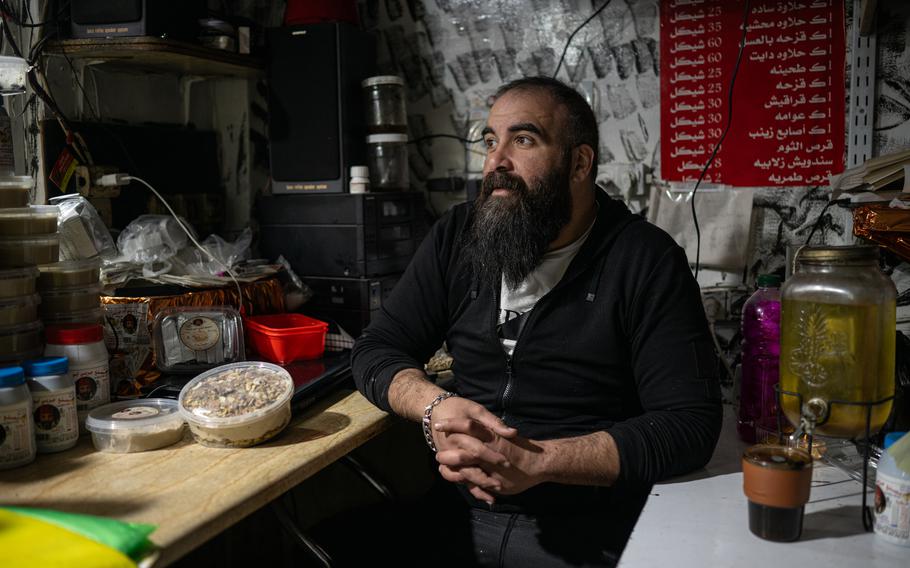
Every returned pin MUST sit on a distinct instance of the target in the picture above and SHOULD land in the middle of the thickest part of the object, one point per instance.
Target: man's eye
(490, 143)
(524, 140)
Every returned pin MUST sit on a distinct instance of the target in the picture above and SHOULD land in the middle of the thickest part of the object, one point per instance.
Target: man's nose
(498, 160)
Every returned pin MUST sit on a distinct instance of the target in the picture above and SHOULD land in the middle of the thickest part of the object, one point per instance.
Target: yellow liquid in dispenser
(838, 352)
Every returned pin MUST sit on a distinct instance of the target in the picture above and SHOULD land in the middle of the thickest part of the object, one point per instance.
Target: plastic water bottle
(892, 490)
(760, 358)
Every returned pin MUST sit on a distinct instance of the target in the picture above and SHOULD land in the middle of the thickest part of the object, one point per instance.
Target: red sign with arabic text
(788, 101)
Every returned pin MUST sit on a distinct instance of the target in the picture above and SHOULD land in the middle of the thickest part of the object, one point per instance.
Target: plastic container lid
(18, 310)
(17, 182)
(892, 437)
(29, 300)
(145, 415)
(360, 171)
(387, 138)
(11, 377)
(17, 273)
(47, 239)
(22, 328)
(69, 274)
(18, 252)
(74, 334)
(382, 80)
(91, 289)
(206, 394)
(46, 366)
(82, 317)
(18, 281)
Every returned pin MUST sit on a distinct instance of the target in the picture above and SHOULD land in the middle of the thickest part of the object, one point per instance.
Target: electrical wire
(10, 14)
(189, 234)
(818, 219)
(572, 36)
(704, 171)
(73, 139)
(82, 88)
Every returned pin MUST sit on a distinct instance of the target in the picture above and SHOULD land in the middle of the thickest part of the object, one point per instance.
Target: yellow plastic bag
(26, 542)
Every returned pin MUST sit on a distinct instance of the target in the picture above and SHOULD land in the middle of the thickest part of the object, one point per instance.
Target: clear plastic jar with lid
(387, 158)
(838, 340)
(385, 105)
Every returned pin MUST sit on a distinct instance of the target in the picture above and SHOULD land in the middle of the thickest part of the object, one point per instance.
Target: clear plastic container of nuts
(237, 405)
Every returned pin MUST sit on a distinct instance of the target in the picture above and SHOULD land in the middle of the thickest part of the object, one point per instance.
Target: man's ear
(582, 162)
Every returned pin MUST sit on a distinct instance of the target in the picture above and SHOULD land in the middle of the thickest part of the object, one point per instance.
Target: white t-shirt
(514, 305)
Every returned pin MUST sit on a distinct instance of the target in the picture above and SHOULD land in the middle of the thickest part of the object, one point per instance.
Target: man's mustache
(496, 180)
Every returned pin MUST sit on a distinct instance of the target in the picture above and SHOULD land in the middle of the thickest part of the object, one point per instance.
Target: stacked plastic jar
(83, 346)
(387, 125)
(54, 400)
(71, 292)
(28, 236)
(17, 430)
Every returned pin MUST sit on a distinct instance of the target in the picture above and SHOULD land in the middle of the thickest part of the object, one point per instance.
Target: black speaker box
(316, 124)
(349, 235)
(350, 293)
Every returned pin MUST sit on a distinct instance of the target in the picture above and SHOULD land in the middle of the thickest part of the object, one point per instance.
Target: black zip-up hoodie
(620, 344)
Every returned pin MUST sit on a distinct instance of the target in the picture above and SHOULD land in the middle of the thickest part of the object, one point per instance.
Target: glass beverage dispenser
(837, 342)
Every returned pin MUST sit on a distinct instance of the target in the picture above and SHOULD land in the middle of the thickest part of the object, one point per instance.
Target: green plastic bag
(129, 538)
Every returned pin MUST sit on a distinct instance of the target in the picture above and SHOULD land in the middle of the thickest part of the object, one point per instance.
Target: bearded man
(584, 370)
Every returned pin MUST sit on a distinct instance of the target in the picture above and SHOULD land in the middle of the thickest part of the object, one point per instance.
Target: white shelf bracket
(861, 103)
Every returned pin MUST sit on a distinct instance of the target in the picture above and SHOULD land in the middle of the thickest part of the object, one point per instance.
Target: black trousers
(512, 540)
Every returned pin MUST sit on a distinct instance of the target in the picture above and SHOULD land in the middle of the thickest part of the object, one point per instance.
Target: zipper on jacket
(506, 389)
(506, 392)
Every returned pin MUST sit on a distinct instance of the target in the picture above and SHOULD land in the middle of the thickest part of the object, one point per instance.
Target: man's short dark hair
(581, 127)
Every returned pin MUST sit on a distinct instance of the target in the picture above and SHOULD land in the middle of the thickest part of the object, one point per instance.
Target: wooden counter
(192, 492)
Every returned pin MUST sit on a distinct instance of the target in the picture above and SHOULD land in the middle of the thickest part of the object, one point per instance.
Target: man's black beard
(508, 235)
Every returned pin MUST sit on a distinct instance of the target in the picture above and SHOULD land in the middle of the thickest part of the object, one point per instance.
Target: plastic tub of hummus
(25, 221)
(69, 274)
(19, 310)
(14, 191)
(17, 252)
(54, 302)
(19, 342)
(238, 405)
(18, 282)
(85, 316)
(135, 425)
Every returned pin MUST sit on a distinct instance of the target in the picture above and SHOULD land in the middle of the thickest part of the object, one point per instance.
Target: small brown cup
(776, 480)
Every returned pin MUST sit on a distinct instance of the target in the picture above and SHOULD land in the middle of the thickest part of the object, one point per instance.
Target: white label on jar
(199, 333)
(135, 413)
(93, 388)
(17, 440)
(56, 422)
(892, 508)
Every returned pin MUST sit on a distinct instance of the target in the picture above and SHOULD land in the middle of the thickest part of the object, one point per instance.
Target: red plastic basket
(284, 338)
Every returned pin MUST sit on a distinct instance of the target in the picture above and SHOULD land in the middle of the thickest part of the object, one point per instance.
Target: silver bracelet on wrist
(428, 417)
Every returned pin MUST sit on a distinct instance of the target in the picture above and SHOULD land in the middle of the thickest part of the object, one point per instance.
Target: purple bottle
(760, 359)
